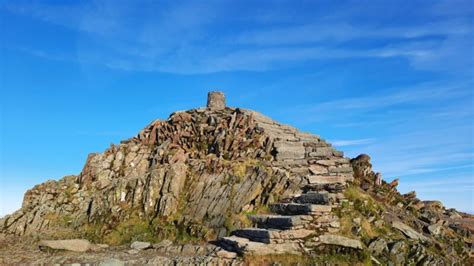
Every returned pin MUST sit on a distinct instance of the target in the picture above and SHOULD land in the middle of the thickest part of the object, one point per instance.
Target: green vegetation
(366, 209)
(133, 229)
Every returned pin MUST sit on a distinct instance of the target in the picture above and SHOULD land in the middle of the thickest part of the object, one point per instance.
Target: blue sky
(393, 79)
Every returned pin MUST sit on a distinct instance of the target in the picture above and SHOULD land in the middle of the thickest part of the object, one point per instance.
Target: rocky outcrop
(426, 227)
(197, 170)
(252, 186)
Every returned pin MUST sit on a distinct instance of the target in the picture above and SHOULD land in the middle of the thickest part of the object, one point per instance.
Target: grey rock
(314, 198)
(133, 251)
(247, 247)
(253, 234)
(397, 247)
(277, 221)
(342, 241)
(140, 245)
(289, 150)
(435, 229)
(162, 244)
(290, 208)
(77, 245)
(378, 246)
(408, 231)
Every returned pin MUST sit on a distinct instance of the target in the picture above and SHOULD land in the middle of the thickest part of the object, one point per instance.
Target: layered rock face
(197, 170)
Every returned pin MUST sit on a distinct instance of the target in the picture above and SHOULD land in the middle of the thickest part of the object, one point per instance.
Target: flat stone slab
(76, 245)
(140, 245)
(329, 179)
(254, 234)
(277, 221)
(290, 208)
(408, 231)
(341, 241)
(298, 208)
(321, 198)
(320, 208)
(245, 246)
(289, 150)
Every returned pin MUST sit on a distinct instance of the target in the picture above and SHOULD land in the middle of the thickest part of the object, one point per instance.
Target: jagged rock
(433, 204)
(435, 229)
(340, 241)
(140, 245)
(408, 231)
(378, 246)
(410, 196)
(162, 244)
(378, 179)
(455, 215)
(77, 245)
(394, 183)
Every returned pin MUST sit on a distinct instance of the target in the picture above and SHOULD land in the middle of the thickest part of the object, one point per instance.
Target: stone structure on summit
(251, 185)
(216, 100)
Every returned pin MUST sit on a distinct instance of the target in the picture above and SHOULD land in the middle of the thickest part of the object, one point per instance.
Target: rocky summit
(229, 186)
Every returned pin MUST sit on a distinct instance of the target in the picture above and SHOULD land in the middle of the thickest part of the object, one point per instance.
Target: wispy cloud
(315, 33)
(180, 38)
(352, 142)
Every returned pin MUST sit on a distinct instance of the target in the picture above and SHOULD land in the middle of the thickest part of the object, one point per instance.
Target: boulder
(408, 231)
(76, 245)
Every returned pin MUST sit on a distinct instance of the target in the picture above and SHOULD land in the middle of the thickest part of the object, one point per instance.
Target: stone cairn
(216, 100)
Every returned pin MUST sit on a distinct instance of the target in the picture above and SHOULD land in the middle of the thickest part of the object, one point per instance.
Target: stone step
(272, 235)
(244, 246)
(321, 198)
(254, 234)
(323, 180)
(328, 179)
(280, 221)
(298, 208)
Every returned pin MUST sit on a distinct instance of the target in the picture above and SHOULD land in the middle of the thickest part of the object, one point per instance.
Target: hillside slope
(250, 185)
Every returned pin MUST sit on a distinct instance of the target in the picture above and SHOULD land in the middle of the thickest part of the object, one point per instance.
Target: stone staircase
(321, 174)
(292, 221)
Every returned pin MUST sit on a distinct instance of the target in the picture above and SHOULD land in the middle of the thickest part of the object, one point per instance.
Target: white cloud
(181, 38)
(352, 142)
